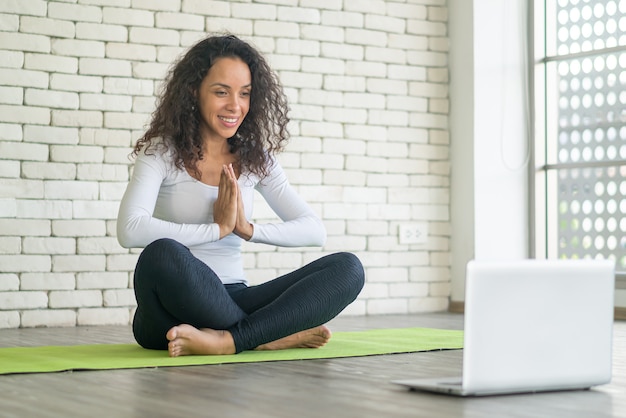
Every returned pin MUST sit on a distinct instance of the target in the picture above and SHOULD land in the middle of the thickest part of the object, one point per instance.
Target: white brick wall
(368, 86)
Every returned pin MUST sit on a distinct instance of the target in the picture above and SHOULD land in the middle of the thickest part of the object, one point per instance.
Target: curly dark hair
(176, 119)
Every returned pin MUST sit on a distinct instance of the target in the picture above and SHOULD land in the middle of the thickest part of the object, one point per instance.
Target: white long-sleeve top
(162, 201)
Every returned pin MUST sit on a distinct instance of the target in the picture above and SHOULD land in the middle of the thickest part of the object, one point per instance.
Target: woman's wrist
(224, 230)
(247, 233)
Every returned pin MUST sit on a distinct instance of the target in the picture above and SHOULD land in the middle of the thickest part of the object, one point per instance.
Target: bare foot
(310, 338)
(187, 340)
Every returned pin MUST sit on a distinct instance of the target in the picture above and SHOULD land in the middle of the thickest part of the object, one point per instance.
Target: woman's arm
(136, 224)
(300, 226)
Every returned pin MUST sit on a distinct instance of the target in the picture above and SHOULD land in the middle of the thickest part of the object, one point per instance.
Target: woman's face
(224, 98)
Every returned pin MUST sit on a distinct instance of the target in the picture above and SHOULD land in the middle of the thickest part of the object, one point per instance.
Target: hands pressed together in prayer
(228, 210)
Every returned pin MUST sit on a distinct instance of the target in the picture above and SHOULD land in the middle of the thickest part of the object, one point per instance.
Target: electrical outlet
(415, 233)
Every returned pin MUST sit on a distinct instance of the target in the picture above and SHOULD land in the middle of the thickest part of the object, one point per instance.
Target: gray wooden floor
(353, 387)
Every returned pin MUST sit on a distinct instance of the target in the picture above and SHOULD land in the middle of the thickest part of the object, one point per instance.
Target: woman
(211, 143)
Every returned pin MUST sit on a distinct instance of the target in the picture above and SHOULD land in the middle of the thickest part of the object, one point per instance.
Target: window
(580, 137)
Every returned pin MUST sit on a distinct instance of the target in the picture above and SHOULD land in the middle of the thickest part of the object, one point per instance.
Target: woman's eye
(220, 93)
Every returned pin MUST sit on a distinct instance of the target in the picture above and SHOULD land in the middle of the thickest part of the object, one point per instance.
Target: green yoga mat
(131, 356)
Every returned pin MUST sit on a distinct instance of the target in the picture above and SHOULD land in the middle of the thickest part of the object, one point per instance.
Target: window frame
(539, 166)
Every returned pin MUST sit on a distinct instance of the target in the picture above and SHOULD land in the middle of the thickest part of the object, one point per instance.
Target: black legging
(173, 287)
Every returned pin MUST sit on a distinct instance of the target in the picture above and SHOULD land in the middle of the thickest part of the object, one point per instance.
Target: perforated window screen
(585, 139)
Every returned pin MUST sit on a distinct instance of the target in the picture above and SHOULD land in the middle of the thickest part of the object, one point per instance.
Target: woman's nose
(234, 103)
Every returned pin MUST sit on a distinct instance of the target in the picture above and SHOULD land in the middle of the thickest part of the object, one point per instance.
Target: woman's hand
(243, 228)
(225, 206)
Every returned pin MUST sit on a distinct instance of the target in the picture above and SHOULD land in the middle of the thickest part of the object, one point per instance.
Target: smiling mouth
(228, 120)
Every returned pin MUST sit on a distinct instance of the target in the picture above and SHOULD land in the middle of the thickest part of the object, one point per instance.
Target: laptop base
(453, 386)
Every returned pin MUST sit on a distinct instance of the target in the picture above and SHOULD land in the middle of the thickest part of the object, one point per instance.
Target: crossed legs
(184, 307)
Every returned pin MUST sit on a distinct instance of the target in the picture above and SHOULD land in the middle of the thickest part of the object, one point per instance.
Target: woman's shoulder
(157, 148)
(274, 173)
(158, 154)
(153, 146)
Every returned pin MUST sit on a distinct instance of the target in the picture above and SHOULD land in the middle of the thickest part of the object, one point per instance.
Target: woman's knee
(351, 269)
(159, 251)
(161, 247)
(155, 257)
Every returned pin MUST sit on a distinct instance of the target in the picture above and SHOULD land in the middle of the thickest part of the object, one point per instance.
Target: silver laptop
(533, 325)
